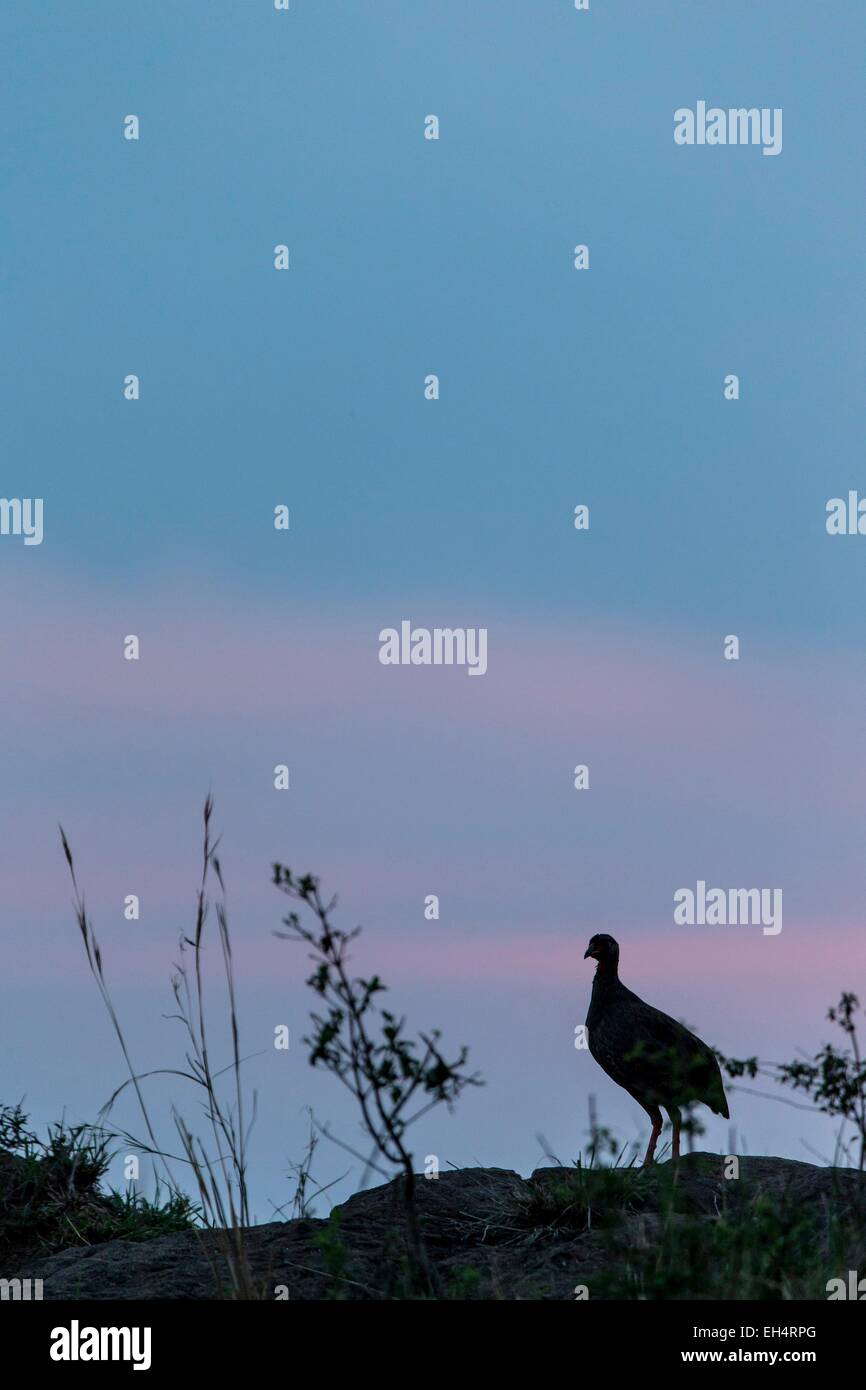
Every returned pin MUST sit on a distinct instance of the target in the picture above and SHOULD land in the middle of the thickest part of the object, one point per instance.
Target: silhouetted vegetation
(219, 1166)
(394, 1079)
(52, 1198)
(687, 1229)
(834, 1078)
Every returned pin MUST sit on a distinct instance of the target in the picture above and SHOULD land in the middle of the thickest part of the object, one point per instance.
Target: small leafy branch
(834, 1079)
(394, 1079)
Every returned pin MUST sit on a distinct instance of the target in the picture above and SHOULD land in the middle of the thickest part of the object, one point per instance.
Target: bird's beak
(589, 952)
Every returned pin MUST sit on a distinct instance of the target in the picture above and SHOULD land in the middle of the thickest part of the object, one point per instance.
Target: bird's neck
(606, 974)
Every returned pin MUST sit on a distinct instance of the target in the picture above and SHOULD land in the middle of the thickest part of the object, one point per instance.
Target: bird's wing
(665, 1057)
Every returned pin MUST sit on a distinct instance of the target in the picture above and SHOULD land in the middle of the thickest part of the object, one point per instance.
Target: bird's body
(649, 1054)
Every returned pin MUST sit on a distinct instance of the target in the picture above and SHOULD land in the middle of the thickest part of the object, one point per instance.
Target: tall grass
(218, 1166)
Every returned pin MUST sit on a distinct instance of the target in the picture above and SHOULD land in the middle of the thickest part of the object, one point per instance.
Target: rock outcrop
(779, 1229)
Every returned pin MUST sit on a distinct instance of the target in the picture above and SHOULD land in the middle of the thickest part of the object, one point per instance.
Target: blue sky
(412, 256)
(557, 387)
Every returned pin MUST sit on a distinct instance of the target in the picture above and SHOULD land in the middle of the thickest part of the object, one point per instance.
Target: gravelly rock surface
(490, 1234)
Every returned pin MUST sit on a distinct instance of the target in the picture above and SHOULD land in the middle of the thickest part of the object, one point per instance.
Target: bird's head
(605, 950)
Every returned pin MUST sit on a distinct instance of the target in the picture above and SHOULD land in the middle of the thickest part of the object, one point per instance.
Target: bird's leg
(656, 1118)
(676, 1121)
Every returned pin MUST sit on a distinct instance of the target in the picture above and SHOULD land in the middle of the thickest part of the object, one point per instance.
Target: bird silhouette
(649, 1054)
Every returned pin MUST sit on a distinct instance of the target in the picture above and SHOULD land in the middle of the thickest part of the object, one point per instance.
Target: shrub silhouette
(366, 1048)
(834, 1079)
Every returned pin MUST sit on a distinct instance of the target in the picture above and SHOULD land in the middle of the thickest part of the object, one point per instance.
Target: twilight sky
(558, 387)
